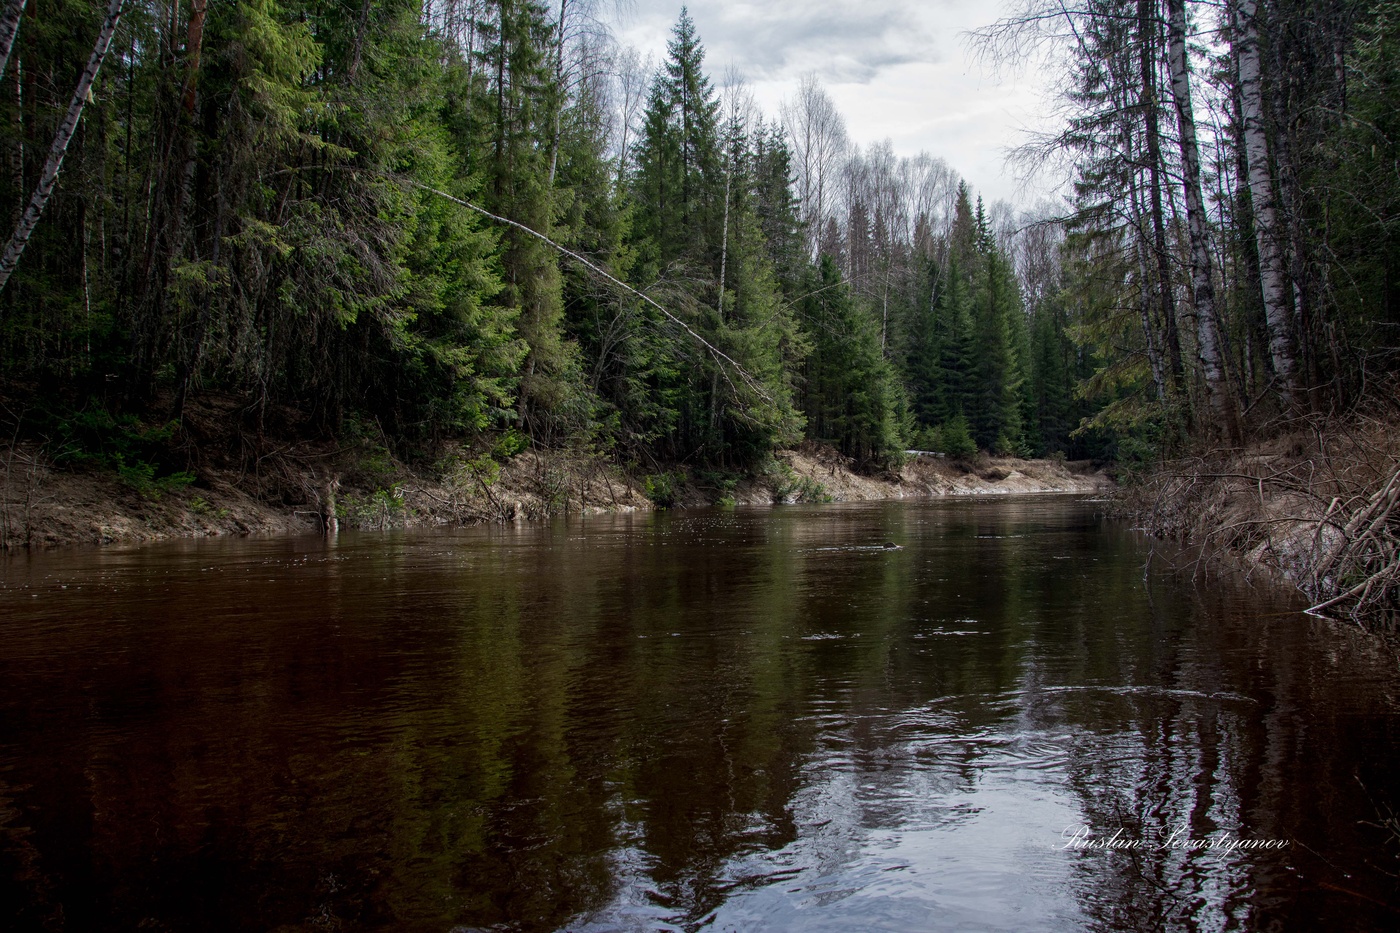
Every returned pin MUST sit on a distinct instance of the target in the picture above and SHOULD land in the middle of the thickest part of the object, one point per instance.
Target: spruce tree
(701, 247)
(513, 56)
(850, 393)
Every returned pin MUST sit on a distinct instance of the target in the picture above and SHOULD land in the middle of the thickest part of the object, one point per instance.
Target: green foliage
(967, 343)
(851, 396)
(789, 486)
(1362, 225)
(141, 476)
(663, 489)
(956, 438)
(510, 443)
(699, 245)
(140, 454)
(382, 509)
(721, 484)
(266, 221)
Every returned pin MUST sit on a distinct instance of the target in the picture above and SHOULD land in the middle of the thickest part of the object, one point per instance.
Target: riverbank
(42, 505)
(301, 488)
(1315, 508)
(820, 474)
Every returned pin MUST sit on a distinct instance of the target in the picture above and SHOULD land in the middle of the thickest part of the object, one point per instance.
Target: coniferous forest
(273, 265)
(460, 219)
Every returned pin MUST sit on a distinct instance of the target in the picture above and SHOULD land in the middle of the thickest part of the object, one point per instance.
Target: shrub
(663, 489)
(957, 439)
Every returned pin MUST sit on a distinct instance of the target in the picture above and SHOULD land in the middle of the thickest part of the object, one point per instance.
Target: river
(947, 715)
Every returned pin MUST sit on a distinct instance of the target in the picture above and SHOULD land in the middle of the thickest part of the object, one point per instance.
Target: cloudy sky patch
(897, 69)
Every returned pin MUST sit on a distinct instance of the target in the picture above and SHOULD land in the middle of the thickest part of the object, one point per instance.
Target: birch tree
(48, 179)
(9, 28)
(1272, 264)
(817, 133)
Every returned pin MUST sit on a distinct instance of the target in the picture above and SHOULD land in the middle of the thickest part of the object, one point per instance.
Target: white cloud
(898, 69)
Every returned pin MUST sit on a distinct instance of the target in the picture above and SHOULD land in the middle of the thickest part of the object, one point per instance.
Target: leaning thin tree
(49, 179)
(9, 27)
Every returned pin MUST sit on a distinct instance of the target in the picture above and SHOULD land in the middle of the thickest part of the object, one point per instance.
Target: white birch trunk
(1273, 276)
(9, 28)
(49, 179)
(1202, 281)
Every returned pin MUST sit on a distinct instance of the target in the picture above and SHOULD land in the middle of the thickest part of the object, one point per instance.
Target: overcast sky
(900, 69)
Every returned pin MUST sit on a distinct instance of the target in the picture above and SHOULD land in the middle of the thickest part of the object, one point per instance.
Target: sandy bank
(817, 474)
(42, 505)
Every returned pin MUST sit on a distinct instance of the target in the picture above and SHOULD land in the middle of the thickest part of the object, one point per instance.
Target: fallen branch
(715, 351)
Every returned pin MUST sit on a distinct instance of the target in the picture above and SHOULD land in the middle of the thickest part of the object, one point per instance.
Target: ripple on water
(724, 721)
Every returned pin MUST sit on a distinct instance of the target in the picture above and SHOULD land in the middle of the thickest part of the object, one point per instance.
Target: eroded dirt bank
(297, 488)
(819, 474)
(1315, 508)
(44, 506)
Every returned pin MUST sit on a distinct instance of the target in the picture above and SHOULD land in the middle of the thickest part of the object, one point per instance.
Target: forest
(457, 221)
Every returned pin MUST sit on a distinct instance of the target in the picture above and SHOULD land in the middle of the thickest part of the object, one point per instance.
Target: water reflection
(734, 720)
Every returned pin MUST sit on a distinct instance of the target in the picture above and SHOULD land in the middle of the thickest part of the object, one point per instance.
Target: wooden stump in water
(330, 525)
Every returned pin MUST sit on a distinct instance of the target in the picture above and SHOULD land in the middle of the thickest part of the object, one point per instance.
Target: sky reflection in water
(754, 719)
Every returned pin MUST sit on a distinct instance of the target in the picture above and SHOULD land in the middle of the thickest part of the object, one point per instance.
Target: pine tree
(995, 409)
(777, 207)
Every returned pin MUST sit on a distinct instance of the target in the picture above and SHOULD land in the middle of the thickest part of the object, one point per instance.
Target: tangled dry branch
(1317, 508)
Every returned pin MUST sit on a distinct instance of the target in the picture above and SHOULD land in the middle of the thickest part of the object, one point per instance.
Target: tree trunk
(1290, 196)
(9, 28)
(1202, 283)
(1154, 355)
(330, 522)
(1147, 64)
(1272, 273)
(557, 129)
(885, 309)
(194, 45)
(357, 55)
(17, 151)
(49, 179)
(190, 364)
(724, 241)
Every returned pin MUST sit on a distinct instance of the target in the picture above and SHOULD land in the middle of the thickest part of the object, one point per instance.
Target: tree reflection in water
(730, 720)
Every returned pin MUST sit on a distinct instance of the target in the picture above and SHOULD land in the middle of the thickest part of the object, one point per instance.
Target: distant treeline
(265, 199)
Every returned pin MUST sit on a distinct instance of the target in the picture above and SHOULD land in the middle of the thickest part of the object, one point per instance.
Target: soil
(820, 474)
(274, 477)
(1316, 508)
(43, 506)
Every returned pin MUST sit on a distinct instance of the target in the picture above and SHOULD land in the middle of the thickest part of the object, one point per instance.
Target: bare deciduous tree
(632, 74)
(817, 133)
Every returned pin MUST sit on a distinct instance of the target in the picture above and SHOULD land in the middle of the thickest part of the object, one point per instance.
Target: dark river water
(732, 720)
